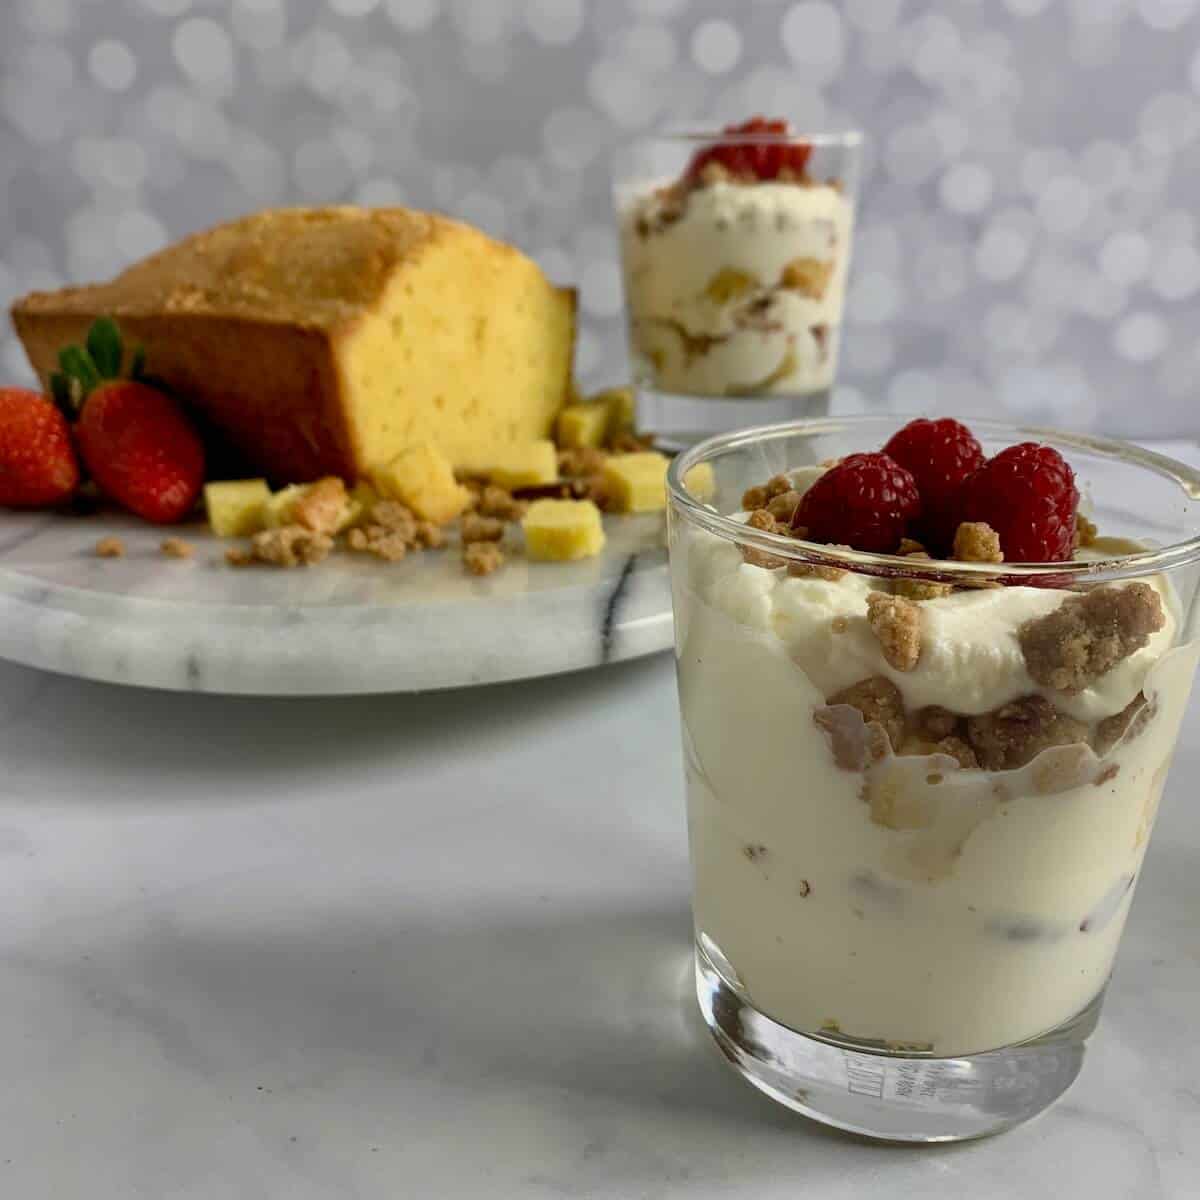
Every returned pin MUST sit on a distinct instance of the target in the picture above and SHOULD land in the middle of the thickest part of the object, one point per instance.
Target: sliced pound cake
(323, 341)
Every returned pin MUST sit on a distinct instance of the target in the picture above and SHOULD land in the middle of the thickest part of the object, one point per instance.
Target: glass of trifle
(735, 246)
(931, 680)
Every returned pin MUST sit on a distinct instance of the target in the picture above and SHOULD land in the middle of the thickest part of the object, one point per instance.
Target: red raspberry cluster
(760, 159)
(931, 476)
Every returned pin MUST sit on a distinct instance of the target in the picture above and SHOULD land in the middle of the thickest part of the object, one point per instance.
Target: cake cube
(582, 426)
(562, 530)
(335, 510)
(637, 482)
(530, 465)
(277, 511)
(235, 507)
(422, 478)
(622, 409)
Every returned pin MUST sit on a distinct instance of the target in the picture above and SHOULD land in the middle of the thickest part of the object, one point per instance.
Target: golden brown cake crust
(315, 268)
(270, 388)
(259, 325)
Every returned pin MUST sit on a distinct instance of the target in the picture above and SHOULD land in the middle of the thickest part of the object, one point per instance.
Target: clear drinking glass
(734, 265)
(909, 885)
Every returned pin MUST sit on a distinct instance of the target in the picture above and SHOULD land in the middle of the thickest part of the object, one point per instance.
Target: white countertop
(438, 947)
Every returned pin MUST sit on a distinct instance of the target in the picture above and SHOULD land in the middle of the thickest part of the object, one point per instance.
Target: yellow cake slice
(324, 341)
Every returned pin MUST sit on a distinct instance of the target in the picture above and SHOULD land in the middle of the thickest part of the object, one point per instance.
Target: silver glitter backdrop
(1028, 240)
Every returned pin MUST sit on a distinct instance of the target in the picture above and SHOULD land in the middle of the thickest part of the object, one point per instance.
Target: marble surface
(436, 946)
(350, 625)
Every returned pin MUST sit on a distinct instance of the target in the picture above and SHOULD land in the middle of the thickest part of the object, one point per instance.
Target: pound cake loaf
(323, 341)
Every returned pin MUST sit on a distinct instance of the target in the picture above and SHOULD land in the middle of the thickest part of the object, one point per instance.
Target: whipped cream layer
(712, 306)
(991, 912)
(971, 661)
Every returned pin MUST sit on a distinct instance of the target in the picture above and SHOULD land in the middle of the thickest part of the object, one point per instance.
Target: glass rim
(1117, 566)
(705, 134)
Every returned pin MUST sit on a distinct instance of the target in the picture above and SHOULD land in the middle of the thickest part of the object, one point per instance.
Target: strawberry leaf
(60, 389)
(77, 365)
(104, 346)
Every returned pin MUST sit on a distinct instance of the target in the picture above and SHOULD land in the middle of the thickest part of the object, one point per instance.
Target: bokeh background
(1028, 231)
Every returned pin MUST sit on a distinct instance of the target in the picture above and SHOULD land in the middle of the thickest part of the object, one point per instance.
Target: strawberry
(38, 467)
(134, 438)
(761, 151)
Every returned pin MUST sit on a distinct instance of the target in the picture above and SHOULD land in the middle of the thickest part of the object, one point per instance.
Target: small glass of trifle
(929, 699)
(734, 246)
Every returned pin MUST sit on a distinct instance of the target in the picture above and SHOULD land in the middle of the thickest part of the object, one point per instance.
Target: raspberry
(939, 455)
(866, 502)
(762, 160)
(1027, 494)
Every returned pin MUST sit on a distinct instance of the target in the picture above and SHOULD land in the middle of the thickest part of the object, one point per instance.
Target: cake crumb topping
(783, 506)
(500, 503)
(322, 506)
(1089, 634)
(977, 542)
(396, 517)
(878, 699)
(896, 622)
(1085, 531)
(176, 547)
(626, 442)
(475, 528)
(934, 722)
(1018, 732)
(807, 570)
(392, 531)
(816, 570)
(953, 746)
(958, 750)
(110, 547)
(388, 544)
(482, 558)
(920, 589)
(578, 461)
(763, 519)
(754, 498)
(291, 546)
(430, 536)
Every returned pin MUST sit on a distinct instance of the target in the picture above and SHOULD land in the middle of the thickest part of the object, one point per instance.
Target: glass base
(679, 421)
(889, 1096)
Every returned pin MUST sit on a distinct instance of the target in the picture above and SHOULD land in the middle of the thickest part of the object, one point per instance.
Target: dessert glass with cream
(735, 248)
(920, 790)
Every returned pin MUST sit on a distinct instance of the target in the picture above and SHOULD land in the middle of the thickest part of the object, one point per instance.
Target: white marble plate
(348, 625)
